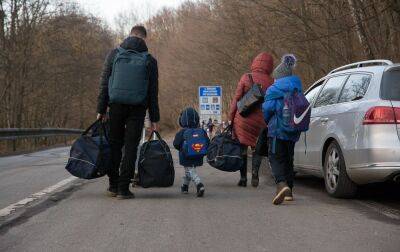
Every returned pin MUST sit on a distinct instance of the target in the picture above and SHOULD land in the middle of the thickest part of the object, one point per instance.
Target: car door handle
(324, 120)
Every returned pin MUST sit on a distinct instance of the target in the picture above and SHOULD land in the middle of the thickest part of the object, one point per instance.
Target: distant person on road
(247, 129)
(191, 142)
(210, 126)
(129, 86)
(281, 142)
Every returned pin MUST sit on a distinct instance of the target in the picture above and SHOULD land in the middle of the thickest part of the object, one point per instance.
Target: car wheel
(337, 182)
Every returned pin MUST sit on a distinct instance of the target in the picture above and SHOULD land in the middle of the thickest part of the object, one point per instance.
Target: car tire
(337, 182)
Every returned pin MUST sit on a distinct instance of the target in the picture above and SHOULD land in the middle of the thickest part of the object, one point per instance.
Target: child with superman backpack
(191, 142)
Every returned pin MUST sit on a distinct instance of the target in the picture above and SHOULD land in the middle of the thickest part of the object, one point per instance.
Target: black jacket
(137, 44)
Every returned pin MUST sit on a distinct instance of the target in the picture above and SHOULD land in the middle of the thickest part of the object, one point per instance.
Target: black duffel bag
(90, 155)
(156, 166)
(224, 152)
(251, 100)
(262, 143)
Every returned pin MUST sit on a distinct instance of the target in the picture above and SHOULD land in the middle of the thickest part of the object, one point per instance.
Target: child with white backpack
(191, 142)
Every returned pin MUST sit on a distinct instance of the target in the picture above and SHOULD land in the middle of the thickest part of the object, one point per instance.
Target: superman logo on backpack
(195, 143)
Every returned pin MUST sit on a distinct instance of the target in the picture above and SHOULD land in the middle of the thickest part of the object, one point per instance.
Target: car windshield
(390, 89)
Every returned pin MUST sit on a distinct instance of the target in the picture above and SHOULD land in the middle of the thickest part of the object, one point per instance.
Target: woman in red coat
(247, 129)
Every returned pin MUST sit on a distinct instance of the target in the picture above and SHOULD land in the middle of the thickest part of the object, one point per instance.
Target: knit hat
(285, 68)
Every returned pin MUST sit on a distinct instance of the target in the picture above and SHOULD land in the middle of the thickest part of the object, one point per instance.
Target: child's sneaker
(200, 190)
(185, 189)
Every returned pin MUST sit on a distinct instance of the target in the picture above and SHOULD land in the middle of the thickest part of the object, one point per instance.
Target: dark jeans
(126, 125)
(281, 159)
(255, 162)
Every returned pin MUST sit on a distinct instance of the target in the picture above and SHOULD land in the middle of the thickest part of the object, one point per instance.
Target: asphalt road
(78, 217)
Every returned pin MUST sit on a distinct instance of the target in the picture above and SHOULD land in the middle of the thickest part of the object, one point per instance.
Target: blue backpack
(129, 79)
(195, 143)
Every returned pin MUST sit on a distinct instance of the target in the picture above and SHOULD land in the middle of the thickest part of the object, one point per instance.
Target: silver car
(354, 135)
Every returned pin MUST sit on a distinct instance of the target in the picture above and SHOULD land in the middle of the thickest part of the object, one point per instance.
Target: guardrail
(19, 133)
(14, 134)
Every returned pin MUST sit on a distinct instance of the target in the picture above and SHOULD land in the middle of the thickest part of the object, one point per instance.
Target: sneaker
(242, 182)
(282, 190)
(200, 190)
(289, 196)
(111, 191)
(255, 180)
(125, 194)
(185, 189)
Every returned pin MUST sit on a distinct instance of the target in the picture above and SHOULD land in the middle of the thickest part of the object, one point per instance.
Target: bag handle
(156, 133)
(159, 138)
(90, 127)
(102, 130)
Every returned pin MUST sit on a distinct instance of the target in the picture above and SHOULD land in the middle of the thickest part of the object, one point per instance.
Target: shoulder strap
(251, 78)
(120, 49)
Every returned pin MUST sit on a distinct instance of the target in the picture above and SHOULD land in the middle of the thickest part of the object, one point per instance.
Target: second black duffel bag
(156, 167)
(224, 152)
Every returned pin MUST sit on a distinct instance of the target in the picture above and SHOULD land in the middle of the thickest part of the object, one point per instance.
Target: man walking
(129, 86)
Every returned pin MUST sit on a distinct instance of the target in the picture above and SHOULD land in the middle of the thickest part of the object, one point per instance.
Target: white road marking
(11, 208)
(382, 209)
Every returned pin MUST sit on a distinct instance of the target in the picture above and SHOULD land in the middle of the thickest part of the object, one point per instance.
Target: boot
(282, 190)
(242, 182)
(124, 192)
(111, 191)
(185, 189)
(200, 190)
(255, 167)
(289, 196)
(112, 188)
(243, 172)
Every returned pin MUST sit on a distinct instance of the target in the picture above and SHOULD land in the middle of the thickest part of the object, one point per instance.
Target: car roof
(382, 65)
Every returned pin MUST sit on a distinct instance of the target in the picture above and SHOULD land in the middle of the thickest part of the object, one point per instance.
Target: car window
(330, 91)
(312, 94)
(390, 89)
(355, 88)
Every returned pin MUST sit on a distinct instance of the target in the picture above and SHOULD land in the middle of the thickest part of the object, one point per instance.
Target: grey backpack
(129, 79)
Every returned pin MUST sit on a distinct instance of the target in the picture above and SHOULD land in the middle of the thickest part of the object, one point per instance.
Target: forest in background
(51, 54)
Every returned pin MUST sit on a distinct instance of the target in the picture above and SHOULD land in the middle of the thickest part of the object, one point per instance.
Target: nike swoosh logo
(298, 120)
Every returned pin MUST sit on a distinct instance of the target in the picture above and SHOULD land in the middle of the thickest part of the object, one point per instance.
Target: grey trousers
(191, 175)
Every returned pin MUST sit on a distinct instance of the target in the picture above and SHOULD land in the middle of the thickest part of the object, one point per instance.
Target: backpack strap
(251, 78)
(120, 49)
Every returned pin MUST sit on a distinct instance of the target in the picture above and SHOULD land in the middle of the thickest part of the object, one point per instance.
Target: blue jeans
(280, 156)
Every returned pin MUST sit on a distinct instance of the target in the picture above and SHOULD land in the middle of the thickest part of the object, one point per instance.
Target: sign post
(210, 103)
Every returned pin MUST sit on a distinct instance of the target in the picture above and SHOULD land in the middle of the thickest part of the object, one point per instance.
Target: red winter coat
(247, 129)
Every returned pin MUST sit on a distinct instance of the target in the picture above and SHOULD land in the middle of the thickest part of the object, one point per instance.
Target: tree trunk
(361, 34)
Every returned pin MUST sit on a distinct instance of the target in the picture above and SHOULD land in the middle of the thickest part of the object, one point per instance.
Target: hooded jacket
(139, 45)
(273, 106)
(247, 129)
(189, 119)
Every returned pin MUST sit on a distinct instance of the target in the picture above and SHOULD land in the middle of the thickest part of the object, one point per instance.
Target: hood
(134, 43)
(282, 86)
(263, 63)
(189, 118)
